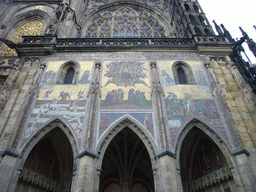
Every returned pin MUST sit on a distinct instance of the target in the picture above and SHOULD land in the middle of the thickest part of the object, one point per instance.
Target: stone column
(86, 172)
(245, 172)
(86, 168)
(157, 97)
(168, 172)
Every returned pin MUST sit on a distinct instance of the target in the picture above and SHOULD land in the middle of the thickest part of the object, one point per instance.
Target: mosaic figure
(167, 80)
(201, 80)
(126, 73)
(64, 95)
(85, 78)
(49, 78)
(47, 93)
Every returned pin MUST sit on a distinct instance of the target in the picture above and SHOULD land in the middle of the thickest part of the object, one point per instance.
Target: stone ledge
(165, 152)
(240, 150)
(87, 152)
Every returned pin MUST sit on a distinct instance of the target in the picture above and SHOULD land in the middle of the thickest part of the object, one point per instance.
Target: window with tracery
(126, 23)
(31, 28)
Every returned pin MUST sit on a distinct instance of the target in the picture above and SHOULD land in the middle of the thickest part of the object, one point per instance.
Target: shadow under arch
(50, 155)
(134, 5)
(203, 156)
(126, 148)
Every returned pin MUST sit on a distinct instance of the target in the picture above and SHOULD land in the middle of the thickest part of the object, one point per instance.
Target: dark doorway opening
(49, 165)
(126, 165)
(203, 165)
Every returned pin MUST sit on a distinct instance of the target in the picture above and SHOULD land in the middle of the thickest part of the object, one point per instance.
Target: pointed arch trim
(53, 123)
(119, 125)
(200, 124)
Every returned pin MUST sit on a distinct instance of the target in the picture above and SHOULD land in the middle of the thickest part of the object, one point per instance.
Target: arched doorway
(203, 165)
(48, 167)
(126, 165)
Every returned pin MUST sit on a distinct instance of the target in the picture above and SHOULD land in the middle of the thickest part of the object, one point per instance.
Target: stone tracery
(34, 27)
(125, 22)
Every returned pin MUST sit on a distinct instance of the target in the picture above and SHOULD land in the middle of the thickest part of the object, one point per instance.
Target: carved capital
(207, 65)
(153, 64)
(98, 64)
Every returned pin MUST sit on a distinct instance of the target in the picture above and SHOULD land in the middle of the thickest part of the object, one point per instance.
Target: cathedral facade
(121, 96)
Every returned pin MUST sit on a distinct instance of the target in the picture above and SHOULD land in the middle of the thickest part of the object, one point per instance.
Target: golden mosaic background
(179, 90)
(31, 28)
(70, 88)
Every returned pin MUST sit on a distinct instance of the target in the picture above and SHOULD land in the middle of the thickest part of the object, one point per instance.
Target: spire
(226, 33)
(218, 29)
(244, 33)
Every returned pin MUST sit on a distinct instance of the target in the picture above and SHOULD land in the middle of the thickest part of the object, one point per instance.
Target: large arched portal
(203, 165)
(126, 165)
(48, 167)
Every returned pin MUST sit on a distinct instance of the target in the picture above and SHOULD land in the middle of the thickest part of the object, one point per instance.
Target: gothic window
(69, 76)
(183, 73)
(192, 19)
(68, 73)
(196, 8)
(197, 30)
(187, 7)
(126, 23)
(207, 31)
(181, 76)
(31, 28)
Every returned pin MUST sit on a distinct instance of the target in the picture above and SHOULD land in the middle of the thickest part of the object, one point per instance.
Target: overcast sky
(233, 13)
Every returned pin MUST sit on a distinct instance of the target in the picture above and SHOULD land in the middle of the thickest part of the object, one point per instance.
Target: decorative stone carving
(161, 5)
(125, 22)
(34, 27)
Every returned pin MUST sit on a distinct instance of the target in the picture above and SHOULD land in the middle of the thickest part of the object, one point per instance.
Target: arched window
(183, 73)
(187, 7)
(31, 28)
(125, 22)
(68, 73)
(181, 76)
(69, 76)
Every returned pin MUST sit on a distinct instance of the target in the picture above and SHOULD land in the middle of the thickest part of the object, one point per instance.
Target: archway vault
(47, 161)
(126, 164)
(204, 159)
(121, 152)
(121, 123)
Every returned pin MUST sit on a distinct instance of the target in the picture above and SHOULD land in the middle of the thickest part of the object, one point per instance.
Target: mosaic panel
(66, 101)
(106, 119)
(186, 101)
(126, 85)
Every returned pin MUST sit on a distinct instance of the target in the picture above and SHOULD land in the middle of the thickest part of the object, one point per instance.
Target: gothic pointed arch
(204, 159)
(48, 160)
(126, 164)
(123, 141)
(26, 23)
(129, 20)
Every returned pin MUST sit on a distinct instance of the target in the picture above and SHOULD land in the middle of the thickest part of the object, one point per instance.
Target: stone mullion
(230, 97)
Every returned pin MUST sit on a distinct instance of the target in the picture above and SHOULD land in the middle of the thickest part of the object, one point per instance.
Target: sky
(232, 14)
